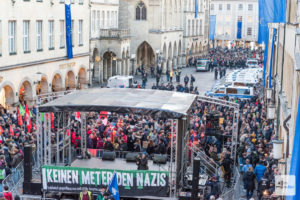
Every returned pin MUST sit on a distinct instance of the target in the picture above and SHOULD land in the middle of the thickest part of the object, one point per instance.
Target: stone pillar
(91, 72)
(111, 66)
(119, 68)
(170, 64)
(101, 75)
(164, 66)
(127, 66)
(174, 63)
(105, 67)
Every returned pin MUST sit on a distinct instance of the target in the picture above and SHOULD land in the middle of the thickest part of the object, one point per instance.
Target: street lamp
(38, 78)
(277, 149)
(271, 112)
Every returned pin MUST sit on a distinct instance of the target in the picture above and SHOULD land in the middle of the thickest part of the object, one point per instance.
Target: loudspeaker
(195, 181)
(160, 159)
(131, 157)
(32, 188)
(109, 155)
(27, 163)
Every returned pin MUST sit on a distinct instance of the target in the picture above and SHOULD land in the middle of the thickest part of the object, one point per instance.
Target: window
(71, 1)
(140, 11)
(73, 33)
(240, 6)
(220, 6)
(228, 6)
(103, 19)
(212, 6)
(39, 38)
(249, 31)
(250, 7)
(80, 41)
(201, 27)
(93, 20)
(112, 19)
(26, 36)
(80, 1)
(227, 30)
(107, 19)
(219, 30)
(98, 20)
(240, 18)
(116, 14)
(61, 1)
(12, 37)
(62, 34)
(51, 35)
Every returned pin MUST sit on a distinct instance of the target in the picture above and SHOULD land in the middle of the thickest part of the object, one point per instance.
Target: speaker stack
(109, 155)
(30, 186)
(160, 159)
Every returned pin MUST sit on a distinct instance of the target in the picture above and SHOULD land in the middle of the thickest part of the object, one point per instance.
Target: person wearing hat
(85, 195)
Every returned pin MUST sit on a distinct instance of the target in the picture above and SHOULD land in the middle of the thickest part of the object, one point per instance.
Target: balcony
(114, 33)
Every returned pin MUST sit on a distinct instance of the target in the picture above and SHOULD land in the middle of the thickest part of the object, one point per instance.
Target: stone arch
(192, 49)
(26, 91)
(7, 95)
(70, 80)
(96, 68)
(42, 87)
(109, 64)
(82, 80)
(57, 83)
(145, 56)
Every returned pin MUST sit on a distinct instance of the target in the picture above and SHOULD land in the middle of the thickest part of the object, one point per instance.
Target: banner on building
(68, 31)
(239, 30)
(212, 27)
(130, 182)
(196, 8)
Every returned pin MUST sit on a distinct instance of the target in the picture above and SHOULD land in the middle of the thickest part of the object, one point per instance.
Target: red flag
(11, 130)
(52, 119)
(1, 130)
(77, 116)
(20, 121)
(27, 119)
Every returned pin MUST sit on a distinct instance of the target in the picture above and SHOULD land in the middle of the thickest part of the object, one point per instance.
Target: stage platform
(117, 164)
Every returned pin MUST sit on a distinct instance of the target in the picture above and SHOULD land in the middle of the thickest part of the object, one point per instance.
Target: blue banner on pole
(68, 31)
(196, 8)
(212, 27)
(271, 59)
(239, 30)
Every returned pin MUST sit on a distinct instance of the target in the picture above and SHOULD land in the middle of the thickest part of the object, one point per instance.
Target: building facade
(33, 49)
(284, 76)
(228, 14)
(195, 35)
(109, 44)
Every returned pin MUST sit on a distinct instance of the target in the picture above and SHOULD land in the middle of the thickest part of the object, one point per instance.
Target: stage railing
(234, 191)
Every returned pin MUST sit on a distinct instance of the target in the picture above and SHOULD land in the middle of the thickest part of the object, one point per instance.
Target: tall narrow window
(80, 41)
(80, 1)
(26, 36)
(116, 14)
(51, 35)
(12, 37)
(39, 38)
(140, 12)
(112, 19)
(102, 19)
(250, 7)
(201, 27)
(107, 20)
(93, 20)
(62, 34)
(98, 21)
(73, 33)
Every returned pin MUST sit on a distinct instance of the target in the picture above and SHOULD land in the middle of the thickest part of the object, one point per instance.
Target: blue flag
(113, 187)
(295, 160)
(270, 11)
(271, 59)
(212, 27)
(68, 31)
(196, 8)
(239, 30)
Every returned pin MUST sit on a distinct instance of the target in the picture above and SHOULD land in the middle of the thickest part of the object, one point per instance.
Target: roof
(158, 103)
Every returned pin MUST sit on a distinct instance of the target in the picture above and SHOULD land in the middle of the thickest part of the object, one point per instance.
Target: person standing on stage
(142, 162)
